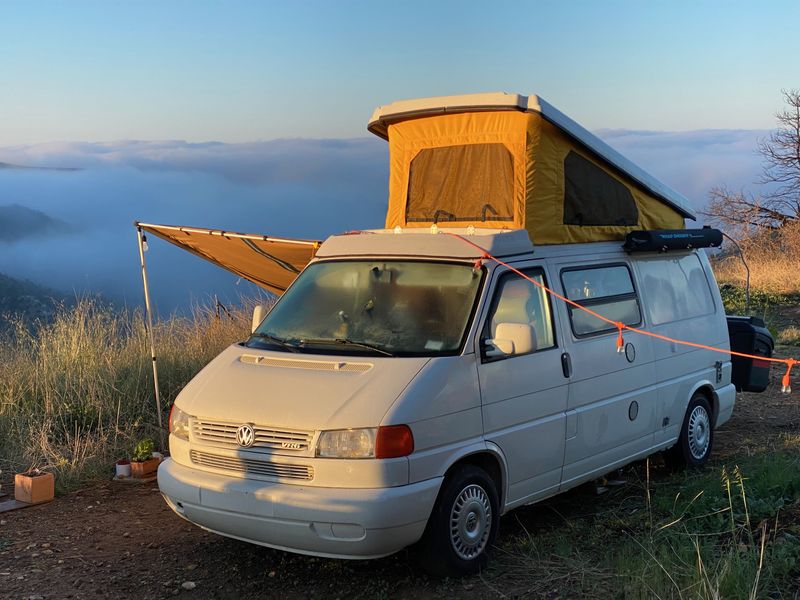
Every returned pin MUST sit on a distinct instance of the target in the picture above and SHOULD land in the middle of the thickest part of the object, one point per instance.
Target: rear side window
(608, 291)
(593, 197)
(473, 182)
(676, 289)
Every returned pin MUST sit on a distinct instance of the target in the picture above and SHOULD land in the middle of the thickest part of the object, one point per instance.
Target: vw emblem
(245, 436)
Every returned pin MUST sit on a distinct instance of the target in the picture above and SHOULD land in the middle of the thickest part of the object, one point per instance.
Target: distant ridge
(20, 222)
(4, 165)
(27, 300)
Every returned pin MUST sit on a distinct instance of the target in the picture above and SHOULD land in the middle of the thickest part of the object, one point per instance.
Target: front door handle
(566, 365)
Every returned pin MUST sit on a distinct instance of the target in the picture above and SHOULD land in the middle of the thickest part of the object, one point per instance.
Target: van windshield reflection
(395, 308)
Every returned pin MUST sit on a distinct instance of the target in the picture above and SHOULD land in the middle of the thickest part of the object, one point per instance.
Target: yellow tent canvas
(510, 161)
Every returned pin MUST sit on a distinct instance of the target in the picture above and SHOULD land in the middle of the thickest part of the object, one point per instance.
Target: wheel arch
(490, 458)
(707, 389)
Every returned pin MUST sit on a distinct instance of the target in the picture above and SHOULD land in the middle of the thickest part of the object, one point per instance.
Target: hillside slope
(26, 299)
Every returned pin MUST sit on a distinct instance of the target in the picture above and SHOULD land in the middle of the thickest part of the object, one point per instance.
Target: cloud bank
(315, 162)
(292, 187)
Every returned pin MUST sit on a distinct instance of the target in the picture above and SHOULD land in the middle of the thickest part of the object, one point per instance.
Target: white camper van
(408, 389)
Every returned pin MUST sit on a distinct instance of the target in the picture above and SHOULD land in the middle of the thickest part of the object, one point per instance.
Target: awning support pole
(149, 316)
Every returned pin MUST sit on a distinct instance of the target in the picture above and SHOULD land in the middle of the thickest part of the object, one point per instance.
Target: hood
(298, 391)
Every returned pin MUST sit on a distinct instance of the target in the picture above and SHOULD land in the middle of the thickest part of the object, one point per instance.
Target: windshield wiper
(275, 340)
(344, 342)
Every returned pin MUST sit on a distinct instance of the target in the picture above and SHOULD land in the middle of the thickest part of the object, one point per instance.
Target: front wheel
(696, 438)
(463, 524)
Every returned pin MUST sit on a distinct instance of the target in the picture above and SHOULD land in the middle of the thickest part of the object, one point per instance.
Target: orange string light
(786, 382)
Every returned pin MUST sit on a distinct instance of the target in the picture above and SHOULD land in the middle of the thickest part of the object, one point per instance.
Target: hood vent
(315, 365)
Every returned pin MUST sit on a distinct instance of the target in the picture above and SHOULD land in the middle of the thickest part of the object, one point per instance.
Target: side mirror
(259, 312)
(511, 339)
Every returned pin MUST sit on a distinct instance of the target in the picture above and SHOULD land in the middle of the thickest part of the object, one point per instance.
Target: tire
(463, 525)
(697, 436)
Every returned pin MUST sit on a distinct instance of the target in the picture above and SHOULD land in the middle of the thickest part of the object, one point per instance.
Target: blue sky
(237, 71)
(133, 93)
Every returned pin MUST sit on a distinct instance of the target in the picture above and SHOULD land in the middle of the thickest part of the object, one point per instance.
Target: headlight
(347, 443)
(392, 441)
(178, 423)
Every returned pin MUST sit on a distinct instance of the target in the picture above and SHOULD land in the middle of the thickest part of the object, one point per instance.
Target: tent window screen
(593, 197)
(473, 182)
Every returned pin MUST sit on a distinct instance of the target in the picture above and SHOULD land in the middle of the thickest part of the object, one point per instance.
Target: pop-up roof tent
(510, 161)
(487, 160)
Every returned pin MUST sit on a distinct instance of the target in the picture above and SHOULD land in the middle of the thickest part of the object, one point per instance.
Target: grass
(720, 533)
(76, 393)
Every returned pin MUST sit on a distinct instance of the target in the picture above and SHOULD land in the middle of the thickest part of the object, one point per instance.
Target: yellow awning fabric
(512, 169)
(271, 263)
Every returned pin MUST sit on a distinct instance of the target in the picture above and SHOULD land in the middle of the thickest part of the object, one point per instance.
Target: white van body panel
(442, 405)
(604, 386)
(539, 423)
(524, 406)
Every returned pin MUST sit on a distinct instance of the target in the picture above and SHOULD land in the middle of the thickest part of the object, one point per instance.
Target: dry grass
(774, 260)
(77, 393)
(790, 335)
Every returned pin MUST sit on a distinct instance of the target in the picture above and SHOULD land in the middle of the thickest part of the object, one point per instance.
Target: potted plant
(123, 468)
(143, 463)
(34, 487)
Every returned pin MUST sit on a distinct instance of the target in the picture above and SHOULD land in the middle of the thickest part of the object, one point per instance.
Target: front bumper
(331, 522)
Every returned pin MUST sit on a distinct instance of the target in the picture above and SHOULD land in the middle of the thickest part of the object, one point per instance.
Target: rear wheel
(463, 524)
(697, 436)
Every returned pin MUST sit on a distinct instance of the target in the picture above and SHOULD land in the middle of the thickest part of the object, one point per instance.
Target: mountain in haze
(19, 222)
(27, 300)
(5, 165)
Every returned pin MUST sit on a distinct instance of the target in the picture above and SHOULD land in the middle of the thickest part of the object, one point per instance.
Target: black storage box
(663, 240)
(749, 336)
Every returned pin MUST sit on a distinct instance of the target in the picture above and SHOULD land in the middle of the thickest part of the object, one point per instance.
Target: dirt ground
(121, 541)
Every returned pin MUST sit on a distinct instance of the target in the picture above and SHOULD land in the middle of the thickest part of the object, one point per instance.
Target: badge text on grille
(290, 445)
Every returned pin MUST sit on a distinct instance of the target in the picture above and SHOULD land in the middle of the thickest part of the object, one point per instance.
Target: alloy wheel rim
(699, 432)
(470, 522)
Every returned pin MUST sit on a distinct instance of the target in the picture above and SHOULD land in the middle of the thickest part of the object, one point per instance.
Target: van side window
(519, 301)
(676, 288)
(608, 291)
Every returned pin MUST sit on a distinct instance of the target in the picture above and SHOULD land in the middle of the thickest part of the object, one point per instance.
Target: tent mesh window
(593, 197)
(473, 182)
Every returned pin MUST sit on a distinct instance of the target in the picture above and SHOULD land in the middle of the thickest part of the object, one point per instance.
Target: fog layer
(82, 238)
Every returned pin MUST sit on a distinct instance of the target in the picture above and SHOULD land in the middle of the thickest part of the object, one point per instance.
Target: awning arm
(149, 320)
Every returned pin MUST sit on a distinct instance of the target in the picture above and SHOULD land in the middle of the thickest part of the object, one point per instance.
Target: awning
(269, 262)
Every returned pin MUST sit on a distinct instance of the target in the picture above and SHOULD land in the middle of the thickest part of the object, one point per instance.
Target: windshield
(373, 307)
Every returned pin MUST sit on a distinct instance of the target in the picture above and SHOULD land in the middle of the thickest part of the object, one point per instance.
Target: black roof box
(663, 240)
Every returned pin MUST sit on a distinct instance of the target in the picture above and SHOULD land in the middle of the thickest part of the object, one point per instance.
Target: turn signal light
(394, 441)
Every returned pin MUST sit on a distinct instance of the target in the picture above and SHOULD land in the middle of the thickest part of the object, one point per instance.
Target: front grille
(249, 466)
(266, 437)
